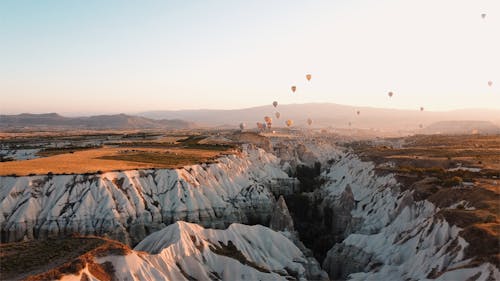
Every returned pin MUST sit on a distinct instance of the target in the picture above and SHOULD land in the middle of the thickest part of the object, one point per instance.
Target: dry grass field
(109, 159)
(77, 152)
(50, 259)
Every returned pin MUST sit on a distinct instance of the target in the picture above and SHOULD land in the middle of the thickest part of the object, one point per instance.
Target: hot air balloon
(260, 126)
(269, 121)
(483, 16)
(242, 126)
(294, 88)
(421, 108)
(289, 122)
(277, 114)
(490, 83)
(308, 77)
(275, 103)
(358, 112)
(390, 94)
(309, 121)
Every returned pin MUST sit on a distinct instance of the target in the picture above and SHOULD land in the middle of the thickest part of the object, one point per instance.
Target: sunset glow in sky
(130, 56)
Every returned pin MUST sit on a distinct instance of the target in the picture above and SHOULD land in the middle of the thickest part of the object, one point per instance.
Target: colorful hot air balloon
(242, 126)
(483, 16)
(308, 77)
(421, 108)
(490, 83)
(309, 121)
(277, 114)
(289, 122)
(294, 88)
(260, 126)
(390, 94)
(269, 121)
(358, 112)
(275, 103)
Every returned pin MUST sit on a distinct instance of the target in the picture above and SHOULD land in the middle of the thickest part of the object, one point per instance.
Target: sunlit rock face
(387, 234)
(380, 230)
(185, 251)
(129, 205)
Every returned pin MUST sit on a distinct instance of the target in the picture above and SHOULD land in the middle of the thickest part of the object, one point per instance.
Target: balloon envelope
(483, 16)
(275, 103)
(294, 88)
(390, 94)
(277, 114)
(421, 108)
(288, 122)
(358, 112)
(490, 83)
(309, 121)
(308, 77)
(242, 125)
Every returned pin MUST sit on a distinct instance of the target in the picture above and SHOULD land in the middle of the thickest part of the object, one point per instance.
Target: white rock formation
(281, 219)
(19, 154)
(128, 205)
(185, 251)
(390, 236)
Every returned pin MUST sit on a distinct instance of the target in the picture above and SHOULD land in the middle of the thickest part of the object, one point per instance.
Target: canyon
(297, 209)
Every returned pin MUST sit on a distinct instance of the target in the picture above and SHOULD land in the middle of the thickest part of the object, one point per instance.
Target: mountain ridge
(114, 121)
(327, 114)
(322, 114)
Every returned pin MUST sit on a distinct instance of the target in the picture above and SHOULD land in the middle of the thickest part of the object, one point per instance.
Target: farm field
(108, 159)
(106, 151)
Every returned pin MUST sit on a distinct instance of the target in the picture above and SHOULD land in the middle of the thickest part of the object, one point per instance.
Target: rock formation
(281, 219)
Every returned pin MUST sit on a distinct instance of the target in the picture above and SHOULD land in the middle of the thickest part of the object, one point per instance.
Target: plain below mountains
(117, 121)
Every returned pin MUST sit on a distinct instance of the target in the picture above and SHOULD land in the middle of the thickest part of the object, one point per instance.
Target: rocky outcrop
(337, 214)
(284, 186)
(129, 205)
(342, 260)
(281, 219)
(387, 234)
(185, 251)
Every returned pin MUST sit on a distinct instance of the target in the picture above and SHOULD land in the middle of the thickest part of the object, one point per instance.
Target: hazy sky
(129, 56)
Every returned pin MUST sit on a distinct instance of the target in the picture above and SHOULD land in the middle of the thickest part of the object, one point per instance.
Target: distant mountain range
(328, 114)
(322, 114)
(118, 121)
